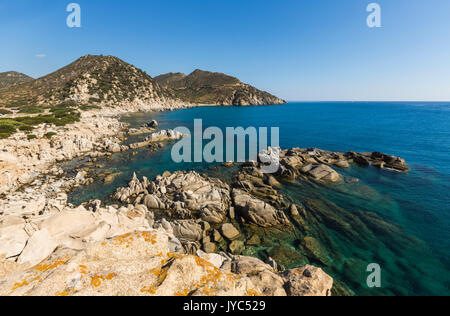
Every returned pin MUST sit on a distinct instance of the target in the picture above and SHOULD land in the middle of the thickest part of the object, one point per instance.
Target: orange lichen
(150, 290)
(83, 269)
(63, 293)
(149, 238)
(252, 292)
(27, 281)
(45, 267)
(97, 279)
(185, 292)
(20, 284)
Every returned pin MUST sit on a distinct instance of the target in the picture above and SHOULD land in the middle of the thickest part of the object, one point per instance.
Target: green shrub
(94, 100)
(31, 136)
(31, 110)
(86, 107)
(49, 135)
(60, 118)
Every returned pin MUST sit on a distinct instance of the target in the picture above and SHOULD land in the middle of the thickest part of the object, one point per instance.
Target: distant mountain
(204, 87)
(11, 77)
(107, 80)
(99, 80)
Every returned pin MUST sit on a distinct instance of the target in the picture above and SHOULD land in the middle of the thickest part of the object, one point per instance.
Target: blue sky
(296, 49)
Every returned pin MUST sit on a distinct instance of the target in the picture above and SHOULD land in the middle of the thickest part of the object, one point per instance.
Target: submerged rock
(236, 247)
(287, 257)
(315, 250)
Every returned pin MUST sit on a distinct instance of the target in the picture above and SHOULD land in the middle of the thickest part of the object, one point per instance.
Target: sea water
(409, 235)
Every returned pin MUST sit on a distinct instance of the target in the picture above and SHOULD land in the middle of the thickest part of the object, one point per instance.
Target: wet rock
(254, 241)
(293, 210)
(315, 250)
(230, 232)
(273, 182)
(342, 164)
(152, 124)
(236, 247)
(287, 257)
(110, 178)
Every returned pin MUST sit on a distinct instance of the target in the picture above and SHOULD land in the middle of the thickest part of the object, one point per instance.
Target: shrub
(49, 135)
(31, 136)
(86, 107)
(31, 110)
(26, 128)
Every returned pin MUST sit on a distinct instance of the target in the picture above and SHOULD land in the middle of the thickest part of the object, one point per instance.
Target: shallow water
(414, 254)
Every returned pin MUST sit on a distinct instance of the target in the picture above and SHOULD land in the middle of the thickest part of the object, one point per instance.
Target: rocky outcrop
(257, 211)
(142, 264)
(379, 160)
(308, 281)
(181, 195)
(319, 165)
(29, 241)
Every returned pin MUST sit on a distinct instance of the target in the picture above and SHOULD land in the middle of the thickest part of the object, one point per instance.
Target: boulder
(322, 173)
(153, 124)
(229, 231)
(293, 210)
(40, 245)
(308, 281)
(187, 230)
(263, 277)
(257, 211)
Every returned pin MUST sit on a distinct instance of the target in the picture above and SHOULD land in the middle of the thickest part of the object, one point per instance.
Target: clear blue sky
(296, 49)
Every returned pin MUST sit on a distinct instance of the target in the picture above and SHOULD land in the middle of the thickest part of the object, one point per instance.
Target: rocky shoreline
(180, 234)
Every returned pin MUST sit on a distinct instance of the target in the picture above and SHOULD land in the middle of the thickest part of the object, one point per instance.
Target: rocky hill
(11, 77)
(204, 87)
(99, 80)
(109, 81)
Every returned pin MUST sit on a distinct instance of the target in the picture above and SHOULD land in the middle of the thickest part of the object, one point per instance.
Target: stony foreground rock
(142, 264)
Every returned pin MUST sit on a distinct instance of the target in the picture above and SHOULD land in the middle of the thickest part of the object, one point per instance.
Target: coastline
(46, 199)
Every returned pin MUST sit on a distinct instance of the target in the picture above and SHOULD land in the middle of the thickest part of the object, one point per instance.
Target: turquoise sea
(400, 221)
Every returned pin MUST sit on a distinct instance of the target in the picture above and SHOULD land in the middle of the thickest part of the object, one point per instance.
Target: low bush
(31, 110)
(49, 135)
